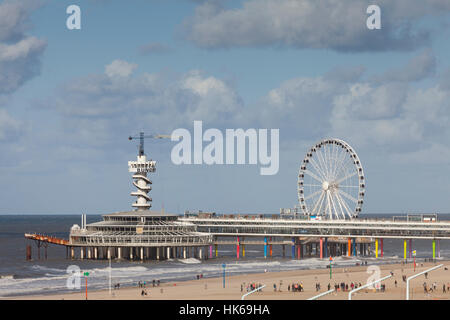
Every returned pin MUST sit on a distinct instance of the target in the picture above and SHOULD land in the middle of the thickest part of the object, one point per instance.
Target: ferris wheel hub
(325, 185)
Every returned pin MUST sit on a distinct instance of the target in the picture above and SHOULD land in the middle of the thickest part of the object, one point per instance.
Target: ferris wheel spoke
(320, 164)
(340, 205)
(313, 175)
(345, 194)
(322, 160)
(339, 162)
(329, 204)
(319, 171)
(318, 201)
(312, 195)
(334, 207)
(334, 162)
(328, 158)
(341, 186)
(349, 213)
(346, 177)
(312, 185)
(342, 165)
(321, 203)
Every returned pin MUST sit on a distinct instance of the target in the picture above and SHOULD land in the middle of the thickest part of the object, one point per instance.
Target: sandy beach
(212, 288)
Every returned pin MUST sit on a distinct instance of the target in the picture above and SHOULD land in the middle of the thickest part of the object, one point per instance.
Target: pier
(328, 225)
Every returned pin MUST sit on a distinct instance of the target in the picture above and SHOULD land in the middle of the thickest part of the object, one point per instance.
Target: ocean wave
(189, 261)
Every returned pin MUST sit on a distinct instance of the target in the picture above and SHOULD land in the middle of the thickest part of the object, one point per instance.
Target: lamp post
(331, 260)
(86, 274)
(223, 266)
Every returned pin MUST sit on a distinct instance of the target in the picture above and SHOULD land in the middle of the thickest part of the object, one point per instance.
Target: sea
(20, 277)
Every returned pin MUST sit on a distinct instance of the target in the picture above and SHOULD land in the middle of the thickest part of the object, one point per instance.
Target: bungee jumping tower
(140, 168)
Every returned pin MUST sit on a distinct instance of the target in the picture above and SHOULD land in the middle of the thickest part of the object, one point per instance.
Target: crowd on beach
(251, 286)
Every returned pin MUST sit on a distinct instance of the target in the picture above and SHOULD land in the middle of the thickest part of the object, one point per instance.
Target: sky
(69, 99)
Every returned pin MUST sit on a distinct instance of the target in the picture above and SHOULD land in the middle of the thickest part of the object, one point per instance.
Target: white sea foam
(189, 261)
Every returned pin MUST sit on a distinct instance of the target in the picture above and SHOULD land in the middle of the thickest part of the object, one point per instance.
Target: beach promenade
(212, 288)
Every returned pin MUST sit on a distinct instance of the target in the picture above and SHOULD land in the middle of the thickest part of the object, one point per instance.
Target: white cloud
(19, 53)
(109, 108)
(9, 127)
(418, 68)
(120, 68)
(339, 25)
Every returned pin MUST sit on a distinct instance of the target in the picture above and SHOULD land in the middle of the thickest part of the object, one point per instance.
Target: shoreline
(212, 288)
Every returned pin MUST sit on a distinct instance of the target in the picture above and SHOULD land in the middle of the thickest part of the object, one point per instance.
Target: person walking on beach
(274, 287)
(443, 288)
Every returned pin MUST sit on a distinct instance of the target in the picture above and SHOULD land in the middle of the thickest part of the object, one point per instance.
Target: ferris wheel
(331, 181)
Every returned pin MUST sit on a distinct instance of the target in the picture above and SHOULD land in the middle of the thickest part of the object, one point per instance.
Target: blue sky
(64, 124)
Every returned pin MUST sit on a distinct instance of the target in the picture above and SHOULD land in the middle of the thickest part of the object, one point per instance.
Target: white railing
(366, 285)
(416, 275)
(257, 289)
(321, 295)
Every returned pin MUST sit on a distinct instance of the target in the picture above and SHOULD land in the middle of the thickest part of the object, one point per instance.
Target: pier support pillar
(321, 248)
(131, 253)
(109, 253)
(89, 253)
(284, 250)
(210, 252)
(270, 247)
(95, 253)
(354, 247)
(410, 248)
(381, 247)
(299, 246)
(142, 254)
(200, 253)
(376, 248)
(237, 248)
(265, 247)
(243, 250)
(404, 249)
(81, 253)
(184, 252)
(293, 249)
(157, 254)
(119, 253)
(326, 248)
(217, 250)
(168, 253)
(72, 253)
(434, 249)
(349, 247)
(439, 248)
